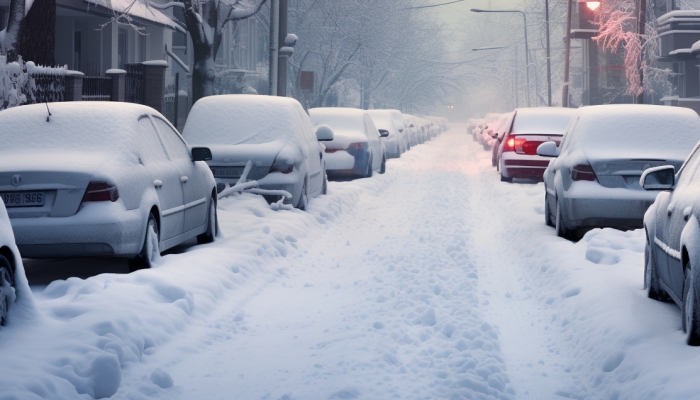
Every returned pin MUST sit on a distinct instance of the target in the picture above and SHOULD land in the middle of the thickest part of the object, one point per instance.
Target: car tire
(506, 179)
(212, 225)
(303, 202)
(7, 288)
(547, 211)
(382, 169)
(149, 254)
(651, 276)
(691, 309)
(324, 190)
(368, 170)
(559, 224)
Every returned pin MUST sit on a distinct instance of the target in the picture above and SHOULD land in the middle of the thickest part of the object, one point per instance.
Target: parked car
(515, 154)
(672, 227)
(90, 180)
(356, 149)
(275, 133)
(594, 179)
(500, 130)
(402, 127)
(394, 142)
(12, 279)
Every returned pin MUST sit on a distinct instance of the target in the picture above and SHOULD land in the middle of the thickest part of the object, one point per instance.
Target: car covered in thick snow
(90, 180)
(274, 133)
(672, 227)
(593, 181)
(515, 155)
(356, 149)
(395, 142)
(13, 283)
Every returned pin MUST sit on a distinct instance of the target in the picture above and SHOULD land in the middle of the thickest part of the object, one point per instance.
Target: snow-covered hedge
(26, 83)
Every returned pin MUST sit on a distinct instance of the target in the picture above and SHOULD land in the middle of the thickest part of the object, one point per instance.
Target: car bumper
(97, 229)
(588, 204)
(523, 166)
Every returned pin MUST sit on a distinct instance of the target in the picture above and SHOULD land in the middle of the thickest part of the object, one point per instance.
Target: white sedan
(90, 180)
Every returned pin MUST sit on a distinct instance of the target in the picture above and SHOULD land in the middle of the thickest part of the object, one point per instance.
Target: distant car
(499, 132)
(515, 154)
(91, 180)
(274, 133)
(356, 149)
(672, 227)
(594, 179)
(11, 269)
(395, 141)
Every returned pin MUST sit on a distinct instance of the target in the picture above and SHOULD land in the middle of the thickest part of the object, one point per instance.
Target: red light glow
(593, 5)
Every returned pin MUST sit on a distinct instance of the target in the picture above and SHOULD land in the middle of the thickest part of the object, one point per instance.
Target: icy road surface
(434, 280)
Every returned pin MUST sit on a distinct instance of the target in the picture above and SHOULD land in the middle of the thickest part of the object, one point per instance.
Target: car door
(673, 210)
(196, 196)
(314, 153)
(375, 142)
(166, 179)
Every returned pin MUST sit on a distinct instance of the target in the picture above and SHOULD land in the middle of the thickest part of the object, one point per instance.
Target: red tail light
(332, 149)
(282, 166)
(583, 172)
(357, 146)
(513, 142)
(101, 191)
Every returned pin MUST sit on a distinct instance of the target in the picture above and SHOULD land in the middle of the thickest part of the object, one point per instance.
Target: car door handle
(686, 213)
(158, 184)
(669, 210)
(184, 179)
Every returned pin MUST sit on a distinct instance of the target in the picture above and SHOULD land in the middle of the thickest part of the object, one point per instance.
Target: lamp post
(527, 51)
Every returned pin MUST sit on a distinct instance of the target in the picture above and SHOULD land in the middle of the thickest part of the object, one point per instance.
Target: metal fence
(97, 88)
(134, 83)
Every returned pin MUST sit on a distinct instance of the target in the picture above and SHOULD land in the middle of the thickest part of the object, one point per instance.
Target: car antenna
(47, 109)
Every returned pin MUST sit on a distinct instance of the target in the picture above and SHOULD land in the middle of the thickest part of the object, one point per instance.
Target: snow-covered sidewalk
(434, 280)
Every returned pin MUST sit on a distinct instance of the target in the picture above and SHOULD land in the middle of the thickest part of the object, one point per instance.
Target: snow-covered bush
(26, 83)
(14, 83)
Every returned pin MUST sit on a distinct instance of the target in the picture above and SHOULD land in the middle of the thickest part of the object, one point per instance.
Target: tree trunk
(203, 73)
(37, 34)
(12, 30)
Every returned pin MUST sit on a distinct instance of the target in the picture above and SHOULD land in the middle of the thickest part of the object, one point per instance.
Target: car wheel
(559, 226)
(547, 212)
(7, 288)
(212, 225)
(325, 184)
(303, 202)
(382, 169)
(651, 276)
(691, 309)
(150, 251)
(368, 170)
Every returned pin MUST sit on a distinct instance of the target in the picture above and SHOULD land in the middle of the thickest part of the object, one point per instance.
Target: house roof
(137, 8)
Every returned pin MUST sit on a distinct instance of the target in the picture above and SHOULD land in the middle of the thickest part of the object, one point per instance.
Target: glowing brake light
(513, 143)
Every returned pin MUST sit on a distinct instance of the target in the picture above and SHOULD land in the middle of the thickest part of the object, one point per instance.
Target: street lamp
(592, 5)
(527, 51)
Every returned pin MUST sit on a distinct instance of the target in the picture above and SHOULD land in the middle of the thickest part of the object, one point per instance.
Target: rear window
(541, 123)
(338, 121)
(382, 120)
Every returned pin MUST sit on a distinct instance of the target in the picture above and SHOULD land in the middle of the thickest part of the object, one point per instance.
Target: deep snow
(431, 281)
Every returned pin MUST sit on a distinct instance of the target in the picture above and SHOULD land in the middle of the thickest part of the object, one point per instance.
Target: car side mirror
(412, 126)
(401, 130)
(548, 149)
(383, 133)
(324, 133)
(201, 154)
(659, 178)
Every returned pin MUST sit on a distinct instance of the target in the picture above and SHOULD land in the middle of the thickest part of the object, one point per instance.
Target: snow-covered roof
(695, 47)
(137, 9)
(679, 16)
(680, 51)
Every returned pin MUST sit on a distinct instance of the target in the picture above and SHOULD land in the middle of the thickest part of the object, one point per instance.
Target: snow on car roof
(637, 131)
(242, 119)
(544, 120)
(336, 117)
(89, 125)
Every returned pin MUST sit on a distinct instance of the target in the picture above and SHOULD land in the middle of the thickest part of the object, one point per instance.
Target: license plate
(227, 172)
(23, 199)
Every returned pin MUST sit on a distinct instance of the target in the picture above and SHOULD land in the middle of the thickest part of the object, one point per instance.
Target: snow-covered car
(402, 127)
(89, 180)
(499, 132)
(13, 283)
(356, 149)
(413, 130)
(274, 133)
(593, 181)
(672, 227)
(395, 141)
(515, 154)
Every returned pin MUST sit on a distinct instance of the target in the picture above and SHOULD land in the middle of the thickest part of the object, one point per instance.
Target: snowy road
(432, 281)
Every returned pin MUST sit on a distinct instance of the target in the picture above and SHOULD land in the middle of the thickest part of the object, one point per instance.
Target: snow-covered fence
(134, 82)
(242, 186)
(97, 88)
(26, 83)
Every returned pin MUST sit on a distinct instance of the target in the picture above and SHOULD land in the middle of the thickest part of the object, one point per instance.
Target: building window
(122, 48)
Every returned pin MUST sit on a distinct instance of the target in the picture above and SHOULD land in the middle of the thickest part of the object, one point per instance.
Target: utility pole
(274, 45)
(282, 61)
(641, 25)
(567, 46)
(549, 67)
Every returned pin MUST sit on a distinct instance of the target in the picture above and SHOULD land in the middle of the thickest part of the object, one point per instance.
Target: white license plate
(227, 172)
(23, 199)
